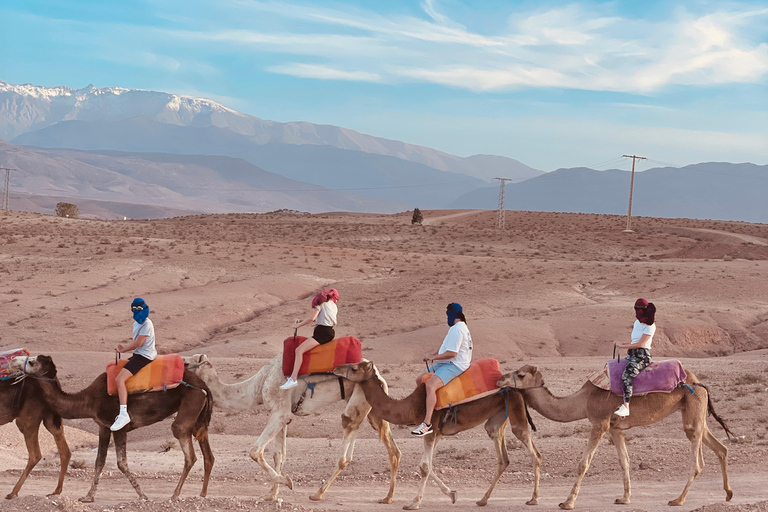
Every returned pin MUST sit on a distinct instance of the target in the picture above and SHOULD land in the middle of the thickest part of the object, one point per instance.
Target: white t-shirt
(327, 314)
(458, 340)
(639, 329)
(147, 349)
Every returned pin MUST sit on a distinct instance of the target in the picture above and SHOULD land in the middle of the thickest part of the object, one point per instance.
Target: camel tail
(711, 409)
(528, 415)
(204, 419)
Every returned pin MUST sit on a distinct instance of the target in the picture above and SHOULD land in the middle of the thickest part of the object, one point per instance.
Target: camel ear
(366, 366)
(203, 358)
(46, 363)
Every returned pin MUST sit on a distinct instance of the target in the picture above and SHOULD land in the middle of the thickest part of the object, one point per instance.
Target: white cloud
(324, 73)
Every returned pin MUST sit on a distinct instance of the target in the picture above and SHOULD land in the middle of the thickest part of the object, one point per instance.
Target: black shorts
(323, 334)
(135, 363)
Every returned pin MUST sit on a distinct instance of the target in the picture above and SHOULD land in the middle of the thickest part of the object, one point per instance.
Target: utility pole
(631, 186)
(500, 224)
(7, 185)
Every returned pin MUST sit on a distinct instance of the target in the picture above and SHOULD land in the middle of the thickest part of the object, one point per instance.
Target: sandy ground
(553, 290)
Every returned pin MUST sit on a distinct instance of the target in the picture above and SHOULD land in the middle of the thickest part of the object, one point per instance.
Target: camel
(598, 405)
(24, 403)
(192, 404)
(496, 411)
(262, 388)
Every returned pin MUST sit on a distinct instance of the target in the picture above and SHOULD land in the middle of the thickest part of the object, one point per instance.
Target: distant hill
(171, 182)
(710, 190)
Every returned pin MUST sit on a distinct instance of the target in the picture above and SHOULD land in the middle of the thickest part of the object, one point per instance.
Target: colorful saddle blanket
(662, 376)
(5, 360)
(323, 358)
(165, 372)
(477, 381)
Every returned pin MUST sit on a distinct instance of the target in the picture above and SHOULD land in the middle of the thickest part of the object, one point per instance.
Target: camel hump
(5, 360)
(164, 372)
(476, 382)
(658, 377)
(324, 358)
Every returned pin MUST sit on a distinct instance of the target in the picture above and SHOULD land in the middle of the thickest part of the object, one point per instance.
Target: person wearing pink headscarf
(639, 349)
(324, 312)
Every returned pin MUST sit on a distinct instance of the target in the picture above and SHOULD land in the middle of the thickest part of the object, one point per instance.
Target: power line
(631, 186)
(500, 220)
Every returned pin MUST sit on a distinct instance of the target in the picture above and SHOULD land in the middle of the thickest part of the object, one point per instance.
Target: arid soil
(554, 290)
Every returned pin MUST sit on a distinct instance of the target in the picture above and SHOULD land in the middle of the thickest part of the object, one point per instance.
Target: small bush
(67, 210)
(418, 217)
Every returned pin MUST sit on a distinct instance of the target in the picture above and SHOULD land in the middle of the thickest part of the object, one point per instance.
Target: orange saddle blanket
(5, 360)
(324, 358)
(478, 381)
(165, 372)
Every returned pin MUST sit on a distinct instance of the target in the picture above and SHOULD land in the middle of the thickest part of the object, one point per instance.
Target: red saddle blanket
(165, 372)
(6, 357)
(477, 381)
(662, 376)
(323, 358)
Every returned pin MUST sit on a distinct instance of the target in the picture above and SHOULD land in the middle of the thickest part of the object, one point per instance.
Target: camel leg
(621, 449)
(121, 444)
(56, 429)
(598, 431)
(279, 454)
(30, 429)
(498, 435)
(276, 423)
(208, 459)
(523, 433)
(350, 422)
(385, 434)
(430, 441)
(101, 458)
(185, 441)
(722, 454)
(695, 434)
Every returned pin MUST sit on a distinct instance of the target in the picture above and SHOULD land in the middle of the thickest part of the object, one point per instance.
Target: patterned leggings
(637, 360)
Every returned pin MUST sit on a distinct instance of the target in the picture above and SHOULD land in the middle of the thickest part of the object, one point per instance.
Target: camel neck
(240, 395)
(558, 408)
(409, 410)
(81, 404)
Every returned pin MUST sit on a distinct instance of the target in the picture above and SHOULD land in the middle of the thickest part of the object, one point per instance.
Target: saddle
(165, 372)
(5, 360)
(658, 377)
(323, 358)
(477, 381)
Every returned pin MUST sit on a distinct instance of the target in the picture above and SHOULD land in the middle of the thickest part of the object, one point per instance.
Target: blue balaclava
(140, 310)
(453, 311)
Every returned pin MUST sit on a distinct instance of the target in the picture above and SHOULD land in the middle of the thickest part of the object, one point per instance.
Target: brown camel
(192, 404)
(598, 405)
(24, 403)
(496, 411)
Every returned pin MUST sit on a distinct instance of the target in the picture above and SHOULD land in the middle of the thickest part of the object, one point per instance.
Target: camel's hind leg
(523, 432)
(695, 434)
(385, 434)
(208, 459)
(497, 432)
(621, 449)
(54, 426)
(279, 454)
(121, 442)
(101, 458)
(721, 451)
(30, 428)
(598, 431)
(430, 441)
(276, 423)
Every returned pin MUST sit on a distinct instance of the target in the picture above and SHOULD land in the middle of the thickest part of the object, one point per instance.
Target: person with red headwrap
(324, 312)
(639, 349)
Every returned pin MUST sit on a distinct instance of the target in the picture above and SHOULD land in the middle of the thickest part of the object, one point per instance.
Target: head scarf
(325, 296)
(452, 311)
(140, 310)
(645, 311)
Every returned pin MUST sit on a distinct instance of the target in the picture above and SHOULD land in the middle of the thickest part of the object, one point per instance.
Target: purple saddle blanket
(663, 376)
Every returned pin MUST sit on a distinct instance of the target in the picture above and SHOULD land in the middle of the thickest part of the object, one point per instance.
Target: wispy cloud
(324, 73)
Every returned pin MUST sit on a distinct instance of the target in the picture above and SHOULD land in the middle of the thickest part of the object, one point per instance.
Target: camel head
(356, 372)
(198, 363)
(524, 378)
(41, 366)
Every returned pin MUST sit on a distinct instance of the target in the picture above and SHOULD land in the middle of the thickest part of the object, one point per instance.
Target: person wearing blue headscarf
(452, 358)
(144, 352)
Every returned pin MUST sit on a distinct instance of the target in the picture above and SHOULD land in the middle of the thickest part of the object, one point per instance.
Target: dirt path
(435, 220)
(744, 238)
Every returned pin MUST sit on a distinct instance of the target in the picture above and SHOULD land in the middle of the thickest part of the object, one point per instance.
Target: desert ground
(553, 290)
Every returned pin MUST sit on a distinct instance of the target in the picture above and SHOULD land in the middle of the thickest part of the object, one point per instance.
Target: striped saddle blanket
(323, 358)
(5, 360)
(165, 372)
(658, 377)
(477, 381)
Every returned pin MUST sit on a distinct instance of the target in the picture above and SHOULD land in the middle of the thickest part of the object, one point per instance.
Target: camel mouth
(19, 364)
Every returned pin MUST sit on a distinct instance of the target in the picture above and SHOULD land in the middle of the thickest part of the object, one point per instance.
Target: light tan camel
(496, 411)
(263, 388)
(598, 405)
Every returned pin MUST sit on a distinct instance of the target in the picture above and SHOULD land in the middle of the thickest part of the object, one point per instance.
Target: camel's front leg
(497, 433)
(621, 449)
(523, 433)
(121, 441)
(276, 423)
(722, 454)
(598, 431)
(430, 441)
(185, 442)
(695, 434)
(350, 421)
(208, 459)
(279, 454)
(55, 427)
(101, 458)
(30, 429)
(385, 434)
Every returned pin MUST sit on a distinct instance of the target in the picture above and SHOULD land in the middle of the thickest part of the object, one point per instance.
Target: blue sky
(552, 84)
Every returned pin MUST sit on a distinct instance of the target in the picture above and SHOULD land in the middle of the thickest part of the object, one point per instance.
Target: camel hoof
(621, 501)
(288, 482)
(316, 497)
(49, 495)
(412, 506)
(566, 506)
(144, 497)
(269, 497)
(453, 496)
(86, 499)
(675, 503)
(386, 501)
(532, 501)
(481, 503)
(728, 495)
(11, 496)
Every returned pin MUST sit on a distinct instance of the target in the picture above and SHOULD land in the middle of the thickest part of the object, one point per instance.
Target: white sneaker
(121, 421)
(422, 430)
(623, 411)
(289, 384)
